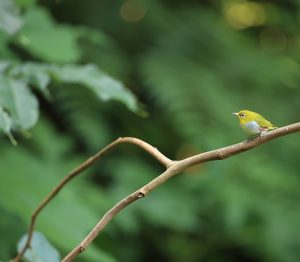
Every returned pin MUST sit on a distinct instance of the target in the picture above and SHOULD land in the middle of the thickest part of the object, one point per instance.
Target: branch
(89, 162)
(172, 170)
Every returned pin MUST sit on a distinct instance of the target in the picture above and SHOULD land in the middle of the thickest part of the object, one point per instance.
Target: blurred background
(190, 64)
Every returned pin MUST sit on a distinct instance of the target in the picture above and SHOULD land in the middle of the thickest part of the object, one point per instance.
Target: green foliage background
(191, 64)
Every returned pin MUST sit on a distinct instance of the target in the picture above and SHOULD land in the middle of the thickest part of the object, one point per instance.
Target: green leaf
(99, 82)
(5, 121)
(20, 104)
(43, 38)
(40, 251)
(34, 74)
(6, 125)
(103, 85)
(4, 65)
(10, 20)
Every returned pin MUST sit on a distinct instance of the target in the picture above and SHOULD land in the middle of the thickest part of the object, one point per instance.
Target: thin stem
(89, 162)
(173, 168)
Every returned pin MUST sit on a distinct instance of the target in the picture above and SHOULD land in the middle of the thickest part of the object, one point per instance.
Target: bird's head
(245, 116)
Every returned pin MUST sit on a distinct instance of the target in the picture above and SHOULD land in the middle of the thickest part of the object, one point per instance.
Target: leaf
(4, 65)
(5, 121)
(103, 85)
(10, 20)
(6, 125)
(20, 104)
(41, 250)
(34, 74)
(43, 38)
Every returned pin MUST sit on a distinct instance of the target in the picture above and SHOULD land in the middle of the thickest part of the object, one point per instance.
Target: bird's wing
(264, 123)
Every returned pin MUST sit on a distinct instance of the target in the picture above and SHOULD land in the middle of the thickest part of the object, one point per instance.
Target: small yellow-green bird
(253, 123)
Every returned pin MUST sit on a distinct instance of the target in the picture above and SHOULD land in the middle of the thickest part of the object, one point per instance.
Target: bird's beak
(235, 114)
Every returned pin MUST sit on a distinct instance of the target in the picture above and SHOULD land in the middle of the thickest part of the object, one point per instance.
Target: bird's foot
(250, 138)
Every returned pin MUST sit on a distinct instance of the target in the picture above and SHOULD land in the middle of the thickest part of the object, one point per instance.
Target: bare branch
(173, 169)
(89, 162)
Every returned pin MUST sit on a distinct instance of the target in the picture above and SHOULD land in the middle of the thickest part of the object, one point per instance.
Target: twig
(90, 161)
(175, 168)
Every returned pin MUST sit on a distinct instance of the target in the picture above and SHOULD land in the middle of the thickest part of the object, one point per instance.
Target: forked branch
(172, 169)
(89, 162)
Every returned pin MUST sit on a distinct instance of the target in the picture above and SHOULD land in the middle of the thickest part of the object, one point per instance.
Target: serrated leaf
(17, 99)
(10, 20)
(43, 38)
(40, 251)
(104, 86)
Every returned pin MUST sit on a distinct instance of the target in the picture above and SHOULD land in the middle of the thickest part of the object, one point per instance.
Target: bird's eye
(242, 115)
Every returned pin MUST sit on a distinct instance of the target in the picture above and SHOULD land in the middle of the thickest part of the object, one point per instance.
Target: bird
(253, 124)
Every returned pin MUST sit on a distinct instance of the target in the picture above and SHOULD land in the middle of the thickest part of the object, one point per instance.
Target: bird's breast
(251, 128)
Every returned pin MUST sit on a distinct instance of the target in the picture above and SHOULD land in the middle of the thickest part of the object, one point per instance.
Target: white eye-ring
(242, 115)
